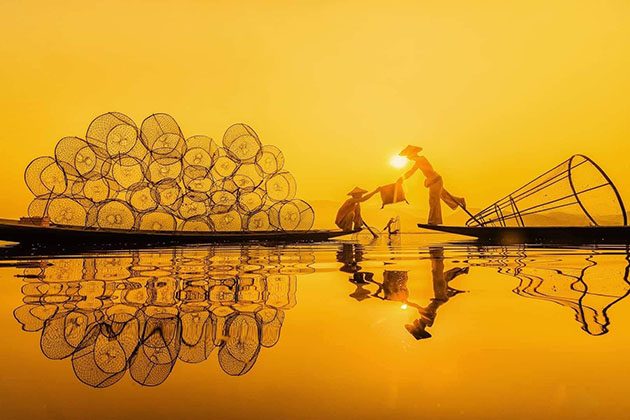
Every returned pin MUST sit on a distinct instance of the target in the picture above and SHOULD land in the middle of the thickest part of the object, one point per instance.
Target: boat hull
(540, 234)
(13, 231)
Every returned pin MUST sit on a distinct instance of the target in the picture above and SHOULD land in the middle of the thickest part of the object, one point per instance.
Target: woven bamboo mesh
(154, 178)
(577, 192)
(142, 314)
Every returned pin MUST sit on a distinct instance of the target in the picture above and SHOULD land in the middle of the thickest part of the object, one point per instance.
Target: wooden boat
(23, 233)
(573, 203)
(540, 234)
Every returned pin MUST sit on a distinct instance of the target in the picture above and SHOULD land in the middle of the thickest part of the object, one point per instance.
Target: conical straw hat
(410, 150)
(357, 190)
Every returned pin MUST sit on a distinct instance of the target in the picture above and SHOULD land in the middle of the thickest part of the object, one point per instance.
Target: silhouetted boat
(574, 202)
(540, 234)
(14, 231)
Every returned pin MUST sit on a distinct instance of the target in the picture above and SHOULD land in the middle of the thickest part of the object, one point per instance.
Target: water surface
(408, 327)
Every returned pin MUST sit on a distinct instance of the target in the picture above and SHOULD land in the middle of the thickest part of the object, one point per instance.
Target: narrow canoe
(540, 234)
(14, 231)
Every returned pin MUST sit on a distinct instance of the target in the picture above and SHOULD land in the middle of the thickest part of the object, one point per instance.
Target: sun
(398, 161)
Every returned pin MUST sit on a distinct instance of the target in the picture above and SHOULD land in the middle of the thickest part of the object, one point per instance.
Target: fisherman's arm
(368, 196)
(409, 173)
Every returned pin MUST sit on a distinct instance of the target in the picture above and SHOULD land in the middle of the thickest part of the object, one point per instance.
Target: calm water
(408, 328)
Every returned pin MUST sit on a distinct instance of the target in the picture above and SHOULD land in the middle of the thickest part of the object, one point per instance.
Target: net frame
(505, 210)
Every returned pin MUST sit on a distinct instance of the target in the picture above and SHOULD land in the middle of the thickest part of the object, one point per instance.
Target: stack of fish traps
(153, 178)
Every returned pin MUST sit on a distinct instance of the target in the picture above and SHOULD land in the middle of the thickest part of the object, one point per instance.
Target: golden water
(416, 326)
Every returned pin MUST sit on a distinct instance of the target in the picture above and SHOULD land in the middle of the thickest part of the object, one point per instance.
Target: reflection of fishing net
(144, 312)
(33, 316)
(157, 351)
(239, 353)
(589, 288)
(122, 177)
(63, 333)
(576, 192)
(272, 320)
(197, 336)
(102, 357)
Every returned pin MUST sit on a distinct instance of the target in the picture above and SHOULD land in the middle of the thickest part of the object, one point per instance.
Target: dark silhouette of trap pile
(577, 192)
(153, 178)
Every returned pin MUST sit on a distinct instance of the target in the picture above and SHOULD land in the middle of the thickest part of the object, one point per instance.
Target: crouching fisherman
(349, 214)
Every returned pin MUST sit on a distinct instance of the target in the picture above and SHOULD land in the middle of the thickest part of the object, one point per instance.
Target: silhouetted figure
(392, 226)
(433, 181)
(349, 214)
(350, 255)
(441, 293)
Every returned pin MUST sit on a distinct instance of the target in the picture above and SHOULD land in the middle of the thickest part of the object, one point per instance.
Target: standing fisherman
(433, 181)
(350, 211)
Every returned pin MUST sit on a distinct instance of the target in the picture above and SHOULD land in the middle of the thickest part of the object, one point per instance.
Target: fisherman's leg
(452, 201)
(454, 272)
(437, 274)
(346, 222)
(435, 208)
(358, 220)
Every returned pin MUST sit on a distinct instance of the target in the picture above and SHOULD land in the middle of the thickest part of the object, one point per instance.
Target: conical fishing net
(154, 178)
(577, 192)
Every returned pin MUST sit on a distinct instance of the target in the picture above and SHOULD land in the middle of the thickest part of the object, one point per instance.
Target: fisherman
(433, 181)
(392, 226)
(349, 213)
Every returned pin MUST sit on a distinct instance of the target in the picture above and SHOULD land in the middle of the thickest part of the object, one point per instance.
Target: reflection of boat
(141, 313)
(540, 234)
(574, 202)
(14, 231)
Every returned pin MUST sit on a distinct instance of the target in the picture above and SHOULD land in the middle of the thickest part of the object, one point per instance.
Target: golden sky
(495, 91)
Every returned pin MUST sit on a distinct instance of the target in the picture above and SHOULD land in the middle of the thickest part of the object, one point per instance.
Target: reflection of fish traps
(120, 175)
(576, 192)
(242, 346)
(142, 313)
(157, 351)
(102, 357)
(198, 336)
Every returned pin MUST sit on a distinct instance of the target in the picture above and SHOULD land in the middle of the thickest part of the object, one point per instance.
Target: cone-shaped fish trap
(577, 192)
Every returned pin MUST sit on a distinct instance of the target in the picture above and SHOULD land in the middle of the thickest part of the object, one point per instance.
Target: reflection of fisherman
(441, 293)
(350, 212)
(350, 255)
(394, 286)
(433, 181)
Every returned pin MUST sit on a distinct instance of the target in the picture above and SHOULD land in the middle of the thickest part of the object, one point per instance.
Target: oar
(369, 229)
